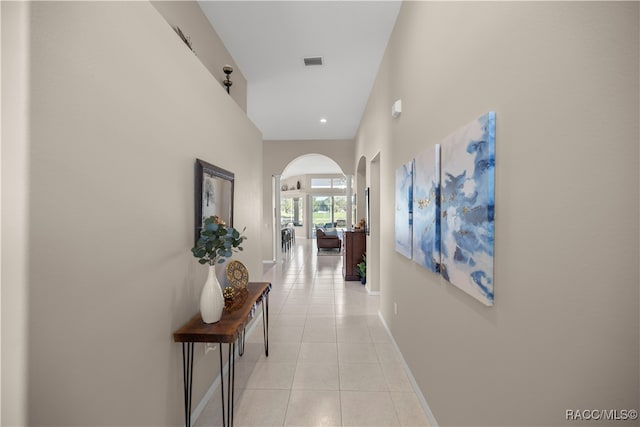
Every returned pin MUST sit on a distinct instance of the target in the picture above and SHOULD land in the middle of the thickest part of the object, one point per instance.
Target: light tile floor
(331, 361)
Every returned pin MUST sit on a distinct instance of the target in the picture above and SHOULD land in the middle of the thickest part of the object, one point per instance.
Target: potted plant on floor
(362, 269)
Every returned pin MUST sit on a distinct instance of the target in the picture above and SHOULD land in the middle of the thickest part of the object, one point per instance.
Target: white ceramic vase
(211, 298)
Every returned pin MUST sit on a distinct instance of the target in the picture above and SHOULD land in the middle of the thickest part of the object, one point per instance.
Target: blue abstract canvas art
(426, 209)
(404, 196)
(467, 208)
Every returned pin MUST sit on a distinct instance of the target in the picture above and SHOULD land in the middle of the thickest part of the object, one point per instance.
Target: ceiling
(269, 39)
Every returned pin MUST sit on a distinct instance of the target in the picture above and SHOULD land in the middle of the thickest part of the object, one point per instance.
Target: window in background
(320, 182)
(321, 211)
(292, 211)
(329, 211)
(340, 211)
(338, 183)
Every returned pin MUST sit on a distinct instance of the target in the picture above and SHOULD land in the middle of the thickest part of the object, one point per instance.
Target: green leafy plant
(217, 241)
(362, 266)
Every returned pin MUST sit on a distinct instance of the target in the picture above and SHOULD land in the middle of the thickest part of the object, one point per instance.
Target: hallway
(331, 361)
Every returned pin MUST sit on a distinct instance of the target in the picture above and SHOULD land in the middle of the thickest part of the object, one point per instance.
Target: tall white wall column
(349, 200)
(277, 220)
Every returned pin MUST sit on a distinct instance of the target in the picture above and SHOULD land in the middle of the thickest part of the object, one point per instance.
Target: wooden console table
(354, 246)
(230, 327)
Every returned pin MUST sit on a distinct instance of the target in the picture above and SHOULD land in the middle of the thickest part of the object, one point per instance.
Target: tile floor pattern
(331, 361)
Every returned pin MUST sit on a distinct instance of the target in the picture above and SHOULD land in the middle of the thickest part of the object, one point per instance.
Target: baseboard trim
(207, 396)
(216, 381)
(412, 380)
(369, 291)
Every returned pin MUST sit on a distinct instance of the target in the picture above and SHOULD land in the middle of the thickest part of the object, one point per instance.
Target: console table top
(230, 325)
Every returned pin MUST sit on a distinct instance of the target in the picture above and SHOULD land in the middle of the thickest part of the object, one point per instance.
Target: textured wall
(563, 79)
(15, 208)
(119, 111)
(206, 43)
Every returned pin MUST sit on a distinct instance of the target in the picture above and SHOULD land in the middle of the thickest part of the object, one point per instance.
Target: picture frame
(426, 209)
(467, 184)
(404, 209)
(367, 207)
(213, 194)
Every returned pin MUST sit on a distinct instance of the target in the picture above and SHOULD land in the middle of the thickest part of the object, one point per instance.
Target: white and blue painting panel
(467, 208)
(404, 197)
(426, 212)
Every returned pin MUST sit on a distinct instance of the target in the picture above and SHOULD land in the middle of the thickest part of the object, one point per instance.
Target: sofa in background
(327, 240)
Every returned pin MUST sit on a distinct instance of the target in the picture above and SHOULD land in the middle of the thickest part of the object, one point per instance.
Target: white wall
(563, 79)
(15, 207)
(206, 43)
(119, 111)
(277, 155)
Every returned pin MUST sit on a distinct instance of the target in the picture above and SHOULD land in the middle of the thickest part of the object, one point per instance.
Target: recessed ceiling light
(323, 120)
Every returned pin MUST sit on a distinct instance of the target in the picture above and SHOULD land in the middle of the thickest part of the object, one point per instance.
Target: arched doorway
(312, 191)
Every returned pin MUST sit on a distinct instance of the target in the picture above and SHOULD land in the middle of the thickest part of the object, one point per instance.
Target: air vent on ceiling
(315, 60)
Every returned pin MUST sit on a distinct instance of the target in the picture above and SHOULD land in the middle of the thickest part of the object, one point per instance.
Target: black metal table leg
(241, 342)
(187, 372)
(227, 413)
(265, 324)
(224, 419)
(193, 331)
(232, 379)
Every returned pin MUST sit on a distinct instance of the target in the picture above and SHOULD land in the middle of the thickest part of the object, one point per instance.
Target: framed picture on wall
(213, 194)
(467, 225)
(367, 207)
(426, 208)
(404, 209)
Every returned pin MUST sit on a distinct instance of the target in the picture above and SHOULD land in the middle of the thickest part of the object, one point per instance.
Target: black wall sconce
(228, 69)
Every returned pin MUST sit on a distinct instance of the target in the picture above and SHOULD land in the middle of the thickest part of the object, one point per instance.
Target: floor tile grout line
(335, 325)
(328, 284)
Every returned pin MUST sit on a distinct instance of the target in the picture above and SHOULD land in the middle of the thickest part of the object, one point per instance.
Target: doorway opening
(312, 192)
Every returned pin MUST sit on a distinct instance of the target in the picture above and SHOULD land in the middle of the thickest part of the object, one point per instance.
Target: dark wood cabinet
(354, 245)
